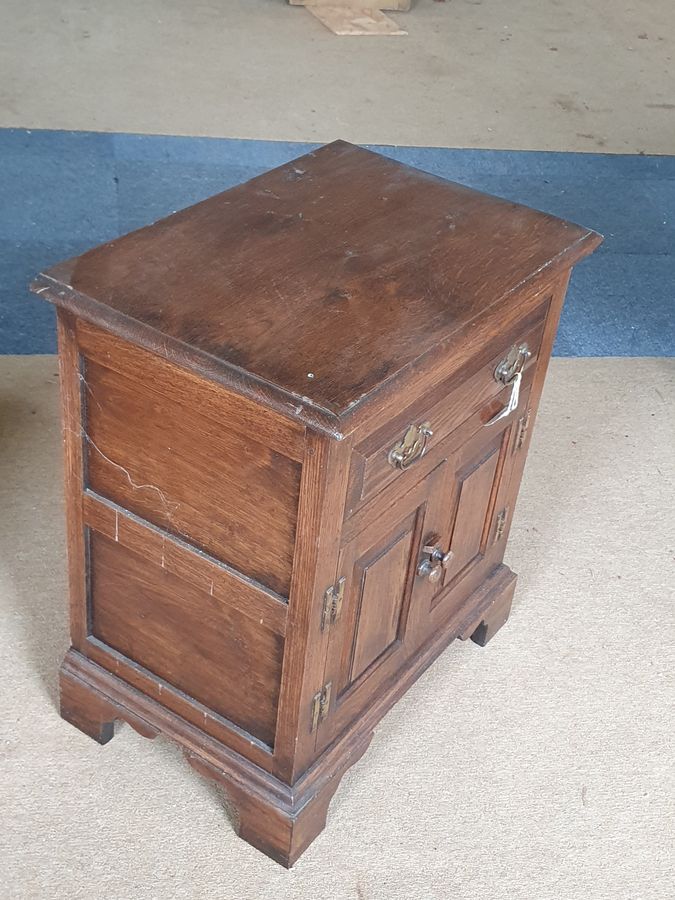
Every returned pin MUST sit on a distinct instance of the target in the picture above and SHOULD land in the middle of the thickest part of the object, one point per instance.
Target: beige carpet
(539, 768)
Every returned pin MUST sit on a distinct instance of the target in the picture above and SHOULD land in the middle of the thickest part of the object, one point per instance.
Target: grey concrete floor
(574, 75)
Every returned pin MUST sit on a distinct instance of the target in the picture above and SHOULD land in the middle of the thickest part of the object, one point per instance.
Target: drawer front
(397, 451)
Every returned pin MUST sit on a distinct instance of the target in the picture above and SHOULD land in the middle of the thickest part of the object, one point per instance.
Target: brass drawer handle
(412, 447)
(510, 371)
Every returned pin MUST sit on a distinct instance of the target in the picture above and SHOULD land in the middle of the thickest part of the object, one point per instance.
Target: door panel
(381, 580)
(468, 533)
(382, 596)
(485, 474)
(477, 469)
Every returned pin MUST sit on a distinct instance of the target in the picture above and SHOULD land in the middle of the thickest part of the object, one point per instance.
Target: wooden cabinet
(296, 417)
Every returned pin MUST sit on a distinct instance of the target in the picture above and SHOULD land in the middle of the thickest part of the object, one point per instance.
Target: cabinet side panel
(162, 449)
(195, 642)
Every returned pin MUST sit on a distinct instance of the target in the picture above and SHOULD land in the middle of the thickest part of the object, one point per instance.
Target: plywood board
(391, 5)
(341, 20)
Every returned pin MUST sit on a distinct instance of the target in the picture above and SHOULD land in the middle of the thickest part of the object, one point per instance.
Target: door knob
(434, 562)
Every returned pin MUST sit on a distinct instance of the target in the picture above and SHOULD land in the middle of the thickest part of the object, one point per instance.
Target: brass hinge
(320, 705)
(501, 523)
(521, 433)
(332, 603)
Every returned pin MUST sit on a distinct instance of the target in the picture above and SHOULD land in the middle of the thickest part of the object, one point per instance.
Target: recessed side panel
(162, 448)
(193, 641)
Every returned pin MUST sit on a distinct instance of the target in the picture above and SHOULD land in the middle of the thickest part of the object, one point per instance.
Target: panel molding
(171, 698)
(409, 529)
(498, 448)
(189, 707)
(202, 571)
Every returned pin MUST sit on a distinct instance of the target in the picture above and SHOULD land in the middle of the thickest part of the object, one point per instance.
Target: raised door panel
(191, 640)
(472, 506)
(380, 585)
(485, 475)
(383, 595)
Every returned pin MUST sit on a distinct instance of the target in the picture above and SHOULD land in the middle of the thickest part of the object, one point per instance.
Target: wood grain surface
(195, 642)
(321, 280)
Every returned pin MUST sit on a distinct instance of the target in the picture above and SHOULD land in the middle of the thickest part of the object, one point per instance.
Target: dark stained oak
(204, 481)
(296, 418)
(178, 558)
(322, 279)
(146, 613)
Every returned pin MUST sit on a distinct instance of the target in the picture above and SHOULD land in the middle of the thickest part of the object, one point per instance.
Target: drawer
(455, 409)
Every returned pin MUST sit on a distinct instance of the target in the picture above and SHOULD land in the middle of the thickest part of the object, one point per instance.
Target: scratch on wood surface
(83, 381)
(137, 487)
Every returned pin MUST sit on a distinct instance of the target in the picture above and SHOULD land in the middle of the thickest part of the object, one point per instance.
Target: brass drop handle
(510, 371)
(432, 567)
(413, 446)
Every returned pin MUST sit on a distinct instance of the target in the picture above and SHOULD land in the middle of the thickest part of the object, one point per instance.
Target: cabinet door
(382, 594)
(484, 475)
(477, 470)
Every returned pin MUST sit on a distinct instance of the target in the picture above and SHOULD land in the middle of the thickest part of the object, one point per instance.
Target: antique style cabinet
(296, 417)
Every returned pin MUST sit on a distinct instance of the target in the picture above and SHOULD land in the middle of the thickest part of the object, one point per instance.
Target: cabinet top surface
(320, 280)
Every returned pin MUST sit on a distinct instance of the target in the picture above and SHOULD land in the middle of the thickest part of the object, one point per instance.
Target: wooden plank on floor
(391, 5)
(344, 21)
